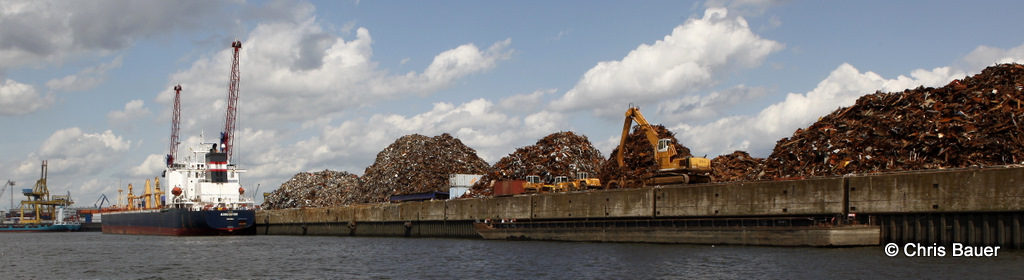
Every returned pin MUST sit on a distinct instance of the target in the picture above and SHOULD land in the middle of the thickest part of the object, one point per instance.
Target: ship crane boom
(227, 137)
(175, 120)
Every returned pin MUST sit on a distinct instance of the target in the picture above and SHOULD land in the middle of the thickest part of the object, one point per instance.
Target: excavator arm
(633, 114)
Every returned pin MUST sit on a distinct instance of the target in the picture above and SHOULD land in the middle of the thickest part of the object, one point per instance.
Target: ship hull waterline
(180, 222)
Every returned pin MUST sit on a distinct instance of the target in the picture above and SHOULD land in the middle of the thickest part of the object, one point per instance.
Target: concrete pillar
(1016, 232)
(957, 235)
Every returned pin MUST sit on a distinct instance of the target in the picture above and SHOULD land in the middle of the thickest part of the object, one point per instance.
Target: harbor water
(93, 255)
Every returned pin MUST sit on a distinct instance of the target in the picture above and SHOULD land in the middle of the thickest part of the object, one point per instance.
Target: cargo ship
(40, 211)
(205, 199)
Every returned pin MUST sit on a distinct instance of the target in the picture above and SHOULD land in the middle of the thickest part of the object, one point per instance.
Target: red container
(506, 188)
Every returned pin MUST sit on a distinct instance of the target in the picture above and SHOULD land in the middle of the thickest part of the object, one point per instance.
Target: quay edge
(974, 206)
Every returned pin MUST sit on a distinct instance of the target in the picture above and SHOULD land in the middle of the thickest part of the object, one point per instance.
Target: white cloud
(19, 99)
(297, 71)
(756, 133)
(984, 56)
(153, 164)
(694, 108)
(521, 102)
(72, 153)
(37, 32)
(694, 57)
(86, 79)
(133, 110)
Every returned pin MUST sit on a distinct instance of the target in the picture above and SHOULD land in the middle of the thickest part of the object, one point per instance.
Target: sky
(87, 85)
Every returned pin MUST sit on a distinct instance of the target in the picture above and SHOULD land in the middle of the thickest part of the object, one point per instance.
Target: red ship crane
(227, 137)
(175, 115)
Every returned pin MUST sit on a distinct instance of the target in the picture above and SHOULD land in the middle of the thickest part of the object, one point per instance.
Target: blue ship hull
(180, 222)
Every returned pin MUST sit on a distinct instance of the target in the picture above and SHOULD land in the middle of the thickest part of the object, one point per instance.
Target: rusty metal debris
(974, 121)
(558, 154)
(318, 189)
(737, 166)
(415, 164)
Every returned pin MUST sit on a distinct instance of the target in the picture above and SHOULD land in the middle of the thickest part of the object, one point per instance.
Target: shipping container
(505, 188)
(457, 192)
(463, 180)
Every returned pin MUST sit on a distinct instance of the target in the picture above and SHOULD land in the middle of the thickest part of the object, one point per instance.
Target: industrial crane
(99, 202)
(227, 137)
(175, 119)
(671, 169)
(10, 183)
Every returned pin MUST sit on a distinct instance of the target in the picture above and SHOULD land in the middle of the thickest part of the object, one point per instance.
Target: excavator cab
(663, 145)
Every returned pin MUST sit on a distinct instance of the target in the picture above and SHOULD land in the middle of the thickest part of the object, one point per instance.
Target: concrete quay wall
(976, 194)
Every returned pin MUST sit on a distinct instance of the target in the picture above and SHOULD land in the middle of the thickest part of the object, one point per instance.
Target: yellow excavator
(671, 168)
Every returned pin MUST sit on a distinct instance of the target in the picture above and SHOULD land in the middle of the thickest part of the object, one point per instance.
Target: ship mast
(227, 137)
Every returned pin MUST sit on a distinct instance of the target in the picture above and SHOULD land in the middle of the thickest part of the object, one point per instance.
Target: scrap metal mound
(639, 157)
(558, 154)
(974, 121)
(414, 164)
(320, 189)
(737, 166)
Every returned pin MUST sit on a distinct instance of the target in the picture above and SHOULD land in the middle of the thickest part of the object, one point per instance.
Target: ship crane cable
(227, 137)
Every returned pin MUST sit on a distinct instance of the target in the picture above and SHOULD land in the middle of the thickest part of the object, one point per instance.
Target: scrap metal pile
(737, 166)
(975, 121)
(415, 164)
(558, 154)
(639, 157)
(320, 189)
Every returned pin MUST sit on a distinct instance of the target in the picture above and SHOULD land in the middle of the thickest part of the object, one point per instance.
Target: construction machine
(582, 182)
(533, 184)
(671, 168)
(585, 182)
(562, 184)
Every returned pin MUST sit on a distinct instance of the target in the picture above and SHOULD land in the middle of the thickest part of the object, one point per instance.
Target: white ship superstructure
(206, 180)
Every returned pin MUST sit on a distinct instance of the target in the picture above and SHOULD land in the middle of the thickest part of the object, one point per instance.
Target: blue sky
(327, 85)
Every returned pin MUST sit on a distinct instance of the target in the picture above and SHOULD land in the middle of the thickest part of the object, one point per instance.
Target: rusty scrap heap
(970, 122)
(414, 164)
(639, 157)
(558, 154)
(320, 189)
(737, 166)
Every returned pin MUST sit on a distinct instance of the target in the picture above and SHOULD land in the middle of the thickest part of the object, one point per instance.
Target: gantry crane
(175, 119)
(227, 137)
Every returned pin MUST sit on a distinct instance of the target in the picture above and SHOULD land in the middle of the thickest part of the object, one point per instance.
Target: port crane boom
(175, 120)
(227, 139)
